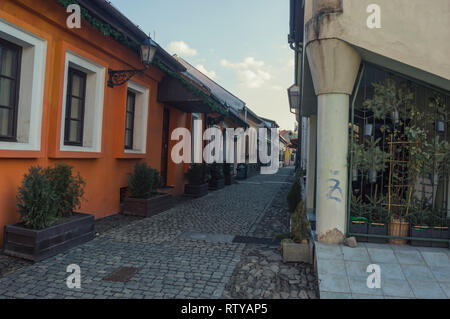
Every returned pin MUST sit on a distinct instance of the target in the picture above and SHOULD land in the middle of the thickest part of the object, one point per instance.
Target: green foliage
(215, 171)
(144, 181)
(37, 199)
(300, 224)
(359, 209)
(69, 189)
(369, 156)
(197, 174)
(388, 97)
(377, 210)
(294, 196)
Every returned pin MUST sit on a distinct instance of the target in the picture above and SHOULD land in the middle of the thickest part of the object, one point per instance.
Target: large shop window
(22, 78)
(136, 114)
(82, 111)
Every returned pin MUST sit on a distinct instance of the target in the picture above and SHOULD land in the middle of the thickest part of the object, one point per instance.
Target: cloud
(181, 48)
(251, 73)
(211, 74)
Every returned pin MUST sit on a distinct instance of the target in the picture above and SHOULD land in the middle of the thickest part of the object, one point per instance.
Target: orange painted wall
(105, 172)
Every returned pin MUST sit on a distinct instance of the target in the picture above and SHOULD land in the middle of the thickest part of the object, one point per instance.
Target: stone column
(334, 67)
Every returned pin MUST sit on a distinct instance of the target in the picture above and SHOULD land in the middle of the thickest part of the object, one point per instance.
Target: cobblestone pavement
(170, 266)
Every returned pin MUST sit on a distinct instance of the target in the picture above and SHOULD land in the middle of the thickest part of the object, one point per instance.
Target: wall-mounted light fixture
(294, 98)
(148, 50)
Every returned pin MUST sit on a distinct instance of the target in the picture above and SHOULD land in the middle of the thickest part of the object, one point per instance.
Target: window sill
(131, 155)
(80, 155)
(20, 154)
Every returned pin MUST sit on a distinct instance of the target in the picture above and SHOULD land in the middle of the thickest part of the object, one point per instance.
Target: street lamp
(147, 52)
(294, 98)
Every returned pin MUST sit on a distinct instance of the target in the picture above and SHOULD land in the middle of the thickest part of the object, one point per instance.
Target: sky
(240, 44)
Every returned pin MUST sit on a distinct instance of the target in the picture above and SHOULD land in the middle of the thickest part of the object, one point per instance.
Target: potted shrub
(298, 248)
(358, 219)
(420, 220)
(229, 178)
(197, 185)
(46, 202)
(294, 196)
(241, 171)
(216, 180)
(144, 199)
(377, 220)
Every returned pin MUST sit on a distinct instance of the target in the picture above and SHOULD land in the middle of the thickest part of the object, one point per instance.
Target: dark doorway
(165, 146)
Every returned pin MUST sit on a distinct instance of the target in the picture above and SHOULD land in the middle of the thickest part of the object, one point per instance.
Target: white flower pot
(440, 126)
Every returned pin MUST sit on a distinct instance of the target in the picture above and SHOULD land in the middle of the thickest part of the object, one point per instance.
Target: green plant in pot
(37, 199)
(197, 185)
(389, 99)
(294, 196)
(298, 248)
(374, 159)
(46, 200)
(197, 174)
(144, 181)
(145, 200)
(227, 173)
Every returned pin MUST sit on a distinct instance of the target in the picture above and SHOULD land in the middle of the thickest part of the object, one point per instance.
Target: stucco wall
(413, 32)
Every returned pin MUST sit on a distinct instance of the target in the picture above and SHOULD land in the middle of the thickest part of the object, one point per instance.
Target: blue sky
(241, 44)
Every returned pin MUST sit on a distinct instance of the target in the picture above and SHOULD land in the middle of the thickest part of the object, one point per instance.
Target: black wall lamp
(148, 50)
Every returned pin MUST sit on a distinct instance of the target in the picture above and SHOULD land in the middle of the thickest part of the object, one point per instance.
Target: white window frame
(140, 118)
(93, 116)
(31, 89)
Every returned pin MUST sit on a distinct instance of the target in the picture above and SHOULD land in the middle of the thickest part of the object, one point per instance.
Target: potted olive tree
(298, 248)
(197, 185)
(216, 179)
(46, 202)
(144, 199)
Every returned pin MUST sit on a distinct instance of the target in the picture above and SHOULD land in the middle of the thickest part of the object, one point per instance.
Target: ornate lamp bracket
(121, 77)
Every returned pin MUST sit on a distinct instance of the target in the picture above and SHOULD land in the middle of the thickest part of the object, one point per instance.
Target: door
(165, 146)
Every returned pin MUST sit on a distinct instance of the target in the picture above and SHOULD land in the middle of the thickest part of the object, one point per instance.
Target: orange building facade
(49, 54)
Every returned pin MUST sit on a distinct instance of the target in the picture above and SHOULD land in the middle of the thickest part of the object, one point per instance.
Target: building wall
(105, 172)
(413, 33)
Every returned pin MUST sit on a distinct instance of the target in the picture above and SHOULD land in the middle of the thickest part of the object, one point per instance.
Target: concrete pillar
(311, 164)
(334, 67)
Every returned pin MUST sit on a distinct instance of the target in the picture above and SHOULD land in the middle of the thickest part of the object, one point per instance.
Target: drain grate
(123, 274)
(256, 240)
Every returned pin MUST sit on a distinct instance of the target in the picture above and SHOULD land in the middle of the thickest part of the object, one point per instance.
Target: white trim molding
(31, 90)
(140, 118)
(93, 110)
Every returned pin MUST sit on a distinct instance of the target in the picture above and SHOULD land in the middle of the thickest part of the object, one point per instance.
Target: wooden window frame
(132, 114)
(79, 142)
(15, 107)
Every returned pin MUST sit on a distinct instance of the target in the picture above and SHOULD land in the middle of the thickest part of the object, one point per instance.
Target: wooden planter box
(216, 184)
(196, 190)
(296, 253)
(359, 228)
(148, 207)
(229, 180)
(37, 245)
(421, 232)
(378, 229)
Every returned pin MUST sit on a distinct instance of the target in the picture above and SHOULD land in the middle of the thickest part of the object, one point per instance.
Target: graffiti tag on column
(335, 190)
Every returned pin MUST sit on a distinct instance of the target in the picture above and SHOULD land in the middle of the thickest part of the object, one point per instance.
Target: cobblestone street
(190, 251)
